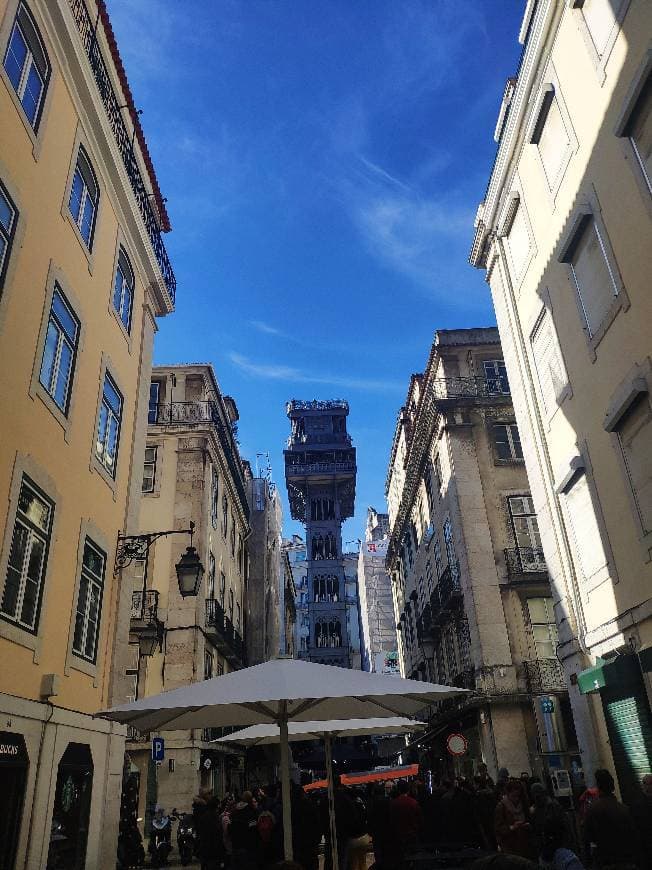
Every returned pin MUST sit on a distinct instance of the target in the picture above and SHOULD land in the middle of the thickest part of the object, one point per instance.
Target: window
(237, 616)
(592, 273)
(551, 138)
(240, 554)
(518, 241)
(149, 469)
(526, 532)
(439, 567)
(634, 431)
(219, 669)
(8, 216)
(60, 350)
(123, 290)
(225, 515)
(589, 552)
(450, 547)
(131, 671)
(544, 627)
(210, 585)
(548, 362)
(215, 492)
(21, 599)
(495, 375)
(231, 604)
(222, 588)
(639, 131)
(89, 602)
(26, 63)
(599, 17)
(507, 441)
(108, 430)
(232, 535)
(84, 197)
(154, 393)
(208, 665)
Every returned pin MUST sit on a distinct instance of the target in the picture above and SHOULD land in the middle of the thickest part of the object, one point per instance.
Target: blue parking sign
(158, 749)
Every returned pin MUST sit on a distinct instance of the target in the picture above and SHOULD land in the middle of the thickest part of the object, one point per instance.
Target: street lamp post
(189, 567)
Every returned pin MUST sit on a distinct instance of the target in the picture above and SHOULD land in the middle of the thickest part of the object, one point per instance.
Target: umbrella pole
(285, 781)
(328, 747)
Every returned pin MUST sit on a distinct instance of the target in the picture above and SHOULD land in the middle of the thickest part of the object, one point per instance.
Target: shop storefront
(14, 764)
(71, 812)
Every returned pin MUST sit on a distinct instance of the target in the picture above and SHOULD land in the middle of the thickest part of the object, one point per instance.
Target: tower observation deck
(320, 473)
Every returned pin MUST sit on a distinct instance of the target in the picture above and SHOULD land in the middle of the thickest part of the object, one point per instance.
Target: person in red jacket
(405, 820)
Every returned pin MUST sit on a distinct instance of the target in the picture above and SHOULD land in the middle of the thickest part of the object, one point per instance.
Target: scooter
(160, 844)
(186, 843)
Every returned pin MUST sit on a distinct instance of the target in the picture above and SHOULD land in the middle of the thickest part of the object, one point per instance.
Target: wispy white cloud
(266, 328)
(280, 372)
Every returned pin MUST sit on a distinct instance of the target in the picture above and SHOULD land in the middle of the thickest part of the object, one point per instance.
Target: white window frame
(7, 233)
(150, 463)
(561, 391)
(589, 212)
(29, 63)
(510, 442)
(84, 169)
(34, 533)
(62, 339)
(598, 60)
(95, 582)
(641, 81)
(550, 625)
(125, 306)
(111, 417)
(496, 376)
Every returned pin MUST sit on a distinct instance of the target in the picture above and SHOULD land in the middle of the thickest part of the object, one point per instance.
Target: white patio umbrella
(278, 692)
(262, 735)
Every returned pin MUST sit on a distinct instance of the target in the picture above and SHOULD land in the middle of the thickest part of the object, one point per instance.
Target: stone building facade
(565, 235)
(192, 473)
(320, 473)
(264, 588)
(83, 277)
(471, 589)
(379, 651)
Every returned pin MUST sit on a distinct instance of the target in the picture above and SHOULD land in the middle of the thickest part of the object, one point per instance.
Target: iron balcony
(331, 438)
(544, 675)
(303, 469)
(123, 138)
(144, 608)
(223, 634)
(525, 561)
(469, 388)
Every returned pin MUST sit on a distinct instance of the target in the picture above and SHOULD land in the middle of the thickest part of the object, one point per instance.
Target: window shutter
(593, 278)
(553, 142)
(589, 550)
(548, 362)
(635, 436)
(640, 130)
(518, 241)
(600, 19)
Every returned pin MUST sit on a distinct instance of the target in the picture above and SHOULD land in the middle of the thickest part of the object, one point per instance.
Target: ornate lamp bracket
(130, 547)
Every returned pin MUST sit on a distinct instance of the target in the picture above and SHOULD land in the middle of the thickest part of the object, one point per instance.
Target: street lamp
(189, 567)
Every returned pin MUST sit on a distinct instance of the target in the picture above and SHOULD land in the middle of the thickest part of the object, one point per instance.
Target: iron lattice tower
(320, 473)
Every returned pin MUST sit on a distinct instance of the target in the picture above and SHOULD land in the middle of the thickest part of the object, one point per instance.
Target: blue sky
(323, 161)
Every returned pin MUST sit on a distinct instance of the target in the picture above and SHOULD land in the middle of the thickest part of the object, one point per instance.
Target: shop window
(14, 765)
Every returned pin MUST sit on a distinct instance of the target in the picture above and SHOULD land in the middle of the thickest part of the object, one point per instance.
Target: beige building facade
(83, 275)
(565, 236)
(192, 473)
(471, 591)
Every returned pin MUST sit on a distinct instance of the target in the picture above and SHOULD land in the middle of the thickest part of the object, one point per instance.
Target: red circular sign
(457, 744)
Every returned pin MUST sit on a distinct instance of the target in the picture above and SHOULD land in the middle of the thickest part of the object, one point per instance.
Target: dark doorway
(72, 807)
(14, 763)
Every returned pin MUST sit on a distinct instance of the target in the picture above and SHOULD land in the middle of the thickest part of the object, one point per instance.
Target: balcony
(329, 438)
(544, 675)
(144, 607)
(223, 634)
(123, 140)
(317, 405)
(304, 469)
(183, 413)
(526, 561)
(450, 588)
(469, 388)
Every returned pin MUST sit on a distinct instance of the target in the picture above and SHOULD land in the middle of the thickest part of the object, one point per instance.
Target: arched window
(84, 197)
(123, 289)
(330, 551)
(26, 64)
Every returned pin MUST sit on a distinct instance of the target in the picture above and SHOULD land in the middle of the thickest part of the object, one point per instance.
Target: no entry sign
(457, 744)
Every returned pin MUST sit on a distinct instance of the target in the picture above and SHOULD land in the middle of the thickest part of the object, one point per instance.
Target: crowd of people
(516, 818)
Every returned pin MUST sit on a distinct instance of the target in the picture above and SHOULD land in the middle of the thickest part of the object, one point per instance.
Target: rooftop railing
(124, 140)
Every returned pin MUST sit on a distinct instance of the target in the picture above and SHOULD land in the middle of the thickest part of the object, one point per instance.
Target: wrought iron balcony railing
(525, 560)
(124, 139)
(544, 675)
(144, 606)
(330, 438)
(223, 633)
(450, 588)
(317, 405)
(319, 468)
(470, 388)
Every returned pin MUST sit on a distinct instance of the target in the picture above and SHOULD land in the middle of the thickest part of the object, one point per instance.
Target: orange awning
(371, 776)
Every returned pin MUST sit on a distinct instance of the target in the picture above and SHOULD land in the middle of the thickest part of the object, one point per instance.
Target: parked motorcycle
(186, 841)
(160, 841)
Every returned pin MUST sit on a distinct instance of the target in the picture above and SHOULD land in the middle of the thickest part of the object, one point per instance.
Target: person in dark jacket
(406, 820)
(609, 833)
(211, 851)
(379, 826)
(544, 811)
(306, 830)
(642, 816)
(244, 833)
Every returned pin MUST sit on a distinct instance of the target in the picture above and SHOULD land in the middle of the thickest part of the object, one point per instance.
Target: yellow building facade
(83, 275)
(565, 236)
